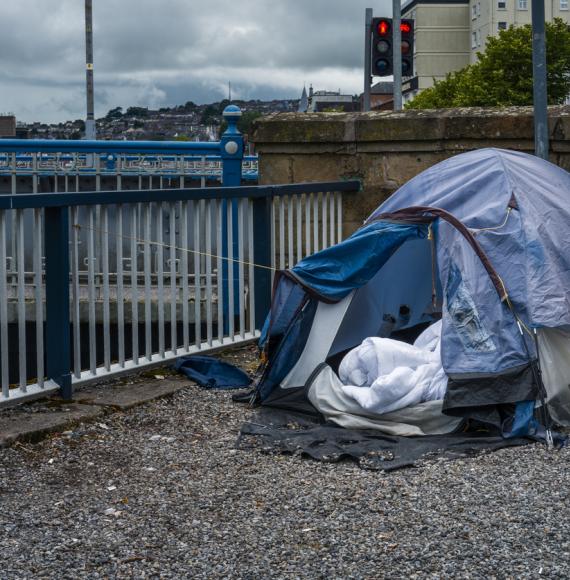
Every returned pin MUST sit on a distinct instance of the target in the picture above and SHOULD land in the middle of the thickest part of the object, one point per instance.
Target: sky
(159, 53)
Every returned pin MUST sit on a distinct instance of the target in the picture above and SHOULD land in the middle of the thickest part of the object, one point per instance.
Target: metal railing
(123, 280)
(37, 165)
(67, 162)
(42, 166)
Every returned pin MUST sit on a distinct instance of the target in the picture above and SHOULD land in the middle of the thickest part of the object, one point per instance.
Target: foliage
(503, 74)
(137, 112)
(209, 116)
(115, 113)
(222, 105)
(244, 123)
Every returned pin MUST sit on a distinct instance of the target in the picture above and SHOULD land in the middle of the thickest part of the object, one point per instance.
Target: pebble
(189, 505)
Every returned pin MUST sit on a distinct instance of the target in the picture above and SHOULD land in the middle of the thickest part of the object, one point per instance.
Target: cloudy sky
(165, 52)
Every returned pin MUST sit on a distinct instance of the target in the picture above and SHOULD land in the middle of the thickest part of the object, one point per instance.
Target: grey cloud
(170, 51)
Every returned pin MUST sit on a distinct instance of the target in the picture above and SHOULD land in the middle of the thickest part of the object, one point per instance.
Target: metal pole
(262, 256)
(90, 120)
(539, 80)
(397, 53)
(58, 340)
(367, 59)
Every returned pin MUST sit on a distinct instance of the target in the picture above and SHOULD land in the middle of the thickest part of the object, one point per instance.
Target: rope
(168, 246)
(476, 231)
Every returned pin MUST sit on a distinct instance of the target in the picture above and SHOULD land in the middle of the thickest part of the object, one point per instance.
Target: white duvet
(383, 375)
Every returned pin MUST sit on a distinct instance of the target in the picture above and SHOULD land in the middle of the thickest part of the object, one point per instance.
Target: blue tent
(482, 241)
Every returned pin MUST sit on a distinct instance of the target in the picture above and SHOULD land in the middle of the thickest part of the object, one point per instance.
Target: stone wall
(386, 149)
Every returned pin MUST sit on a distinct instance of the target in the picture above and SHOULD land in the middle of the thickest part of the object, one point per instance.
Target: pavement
(34, 421)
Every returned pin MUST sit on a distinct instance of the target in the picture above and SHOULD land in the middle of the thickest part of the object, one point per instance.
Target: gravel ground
(161, 492)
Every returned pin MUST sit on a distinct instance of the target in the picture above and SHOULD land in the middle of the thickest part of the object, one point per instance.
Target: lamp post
(90, 132)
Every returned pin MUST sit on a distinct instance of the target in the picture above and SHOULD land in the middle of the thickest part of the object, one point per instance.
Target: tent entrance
(395, 301)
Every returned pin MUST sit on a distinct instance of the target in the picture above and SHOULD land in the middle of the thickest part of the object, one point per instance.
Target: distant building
(489, 17)
(7, 126)
(441, 43)
(323, 101)
(304, 102)
(382, 94)
(22, 131)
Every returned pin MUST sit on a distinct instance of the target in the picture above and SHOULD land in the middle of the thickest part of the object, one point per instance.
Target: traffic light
(407, 32)
(382, 63)
(382, 50)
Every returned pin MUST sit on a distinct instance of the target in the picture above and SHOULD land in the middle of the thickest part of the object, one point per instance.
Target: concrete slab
(22, 426)
(126, 396)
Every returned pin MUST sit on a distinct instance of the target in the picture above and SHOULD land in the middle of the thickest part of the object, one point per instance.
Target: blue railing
(122, 280)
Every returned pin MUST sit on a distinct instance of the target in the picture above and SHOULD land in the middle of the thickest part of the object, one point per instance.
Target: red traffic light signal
(383, 28)
(406, 27)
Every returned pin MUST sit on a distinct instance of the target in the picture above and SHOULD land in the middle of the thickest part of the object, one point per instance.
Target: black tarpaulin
(275, 431)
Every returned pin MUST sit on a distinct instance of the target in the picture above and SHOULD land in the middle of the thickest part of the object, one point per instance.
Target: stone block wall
(386, 149)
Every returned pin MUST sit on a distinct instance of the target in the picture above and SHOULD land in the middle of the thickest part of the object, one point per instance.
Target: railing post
(262, 257)
(58, 344)
(231, 152)
(231, 148)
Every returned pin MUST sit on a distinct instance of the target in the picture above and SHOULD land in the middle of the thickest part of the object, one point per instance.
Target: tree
(209, 116)
(222, 105)
(115, 113)
(244, 123)
(137, 112)
(503, 74)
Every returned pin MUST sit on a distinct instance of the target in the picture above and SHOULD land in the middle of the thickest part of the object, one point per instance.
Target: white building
(488, 17)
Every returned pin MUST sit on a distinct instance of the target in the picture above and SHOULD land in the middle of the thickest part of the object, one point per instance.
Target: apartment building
(442, 32)
(488, 17)
(449, 33)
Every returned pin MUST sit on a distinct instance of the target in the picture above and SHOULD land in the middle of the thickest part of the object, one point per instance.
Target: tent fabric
(212, 373)
(290, 347)
(554, 347)
(396, 298)
(480, 334)
(336, 271)
(328, 318)
(477, 188)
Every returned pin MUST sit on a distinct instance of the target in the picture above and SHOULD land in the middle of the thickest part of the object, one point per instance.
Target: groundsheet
(276, 431)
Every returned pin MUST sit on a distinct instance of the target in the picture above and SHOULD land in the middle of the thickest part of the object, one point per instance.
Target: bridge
(119, 256)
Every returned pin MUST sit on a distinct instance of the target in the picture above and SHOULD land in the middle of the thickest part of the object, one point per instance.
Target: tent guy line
(187, 250)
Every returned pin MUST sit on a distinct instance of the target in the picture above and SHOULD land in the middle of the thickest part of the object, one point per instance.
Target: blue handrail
(79, 146)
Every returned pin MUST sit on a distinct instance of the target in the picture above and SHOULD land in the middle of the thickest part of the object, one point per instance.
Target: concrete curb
(35, 421)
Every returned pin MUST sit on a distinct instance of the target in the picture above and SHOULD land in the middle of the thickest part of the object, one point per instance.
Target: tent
(480, 241)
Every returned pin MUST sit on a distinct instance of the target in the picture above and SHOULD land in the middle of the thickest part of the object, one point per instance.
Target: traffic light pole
(367, 59)
(397, 52)
(539, 80)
